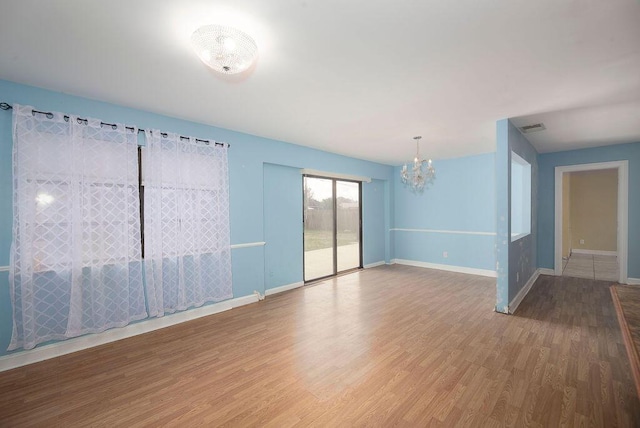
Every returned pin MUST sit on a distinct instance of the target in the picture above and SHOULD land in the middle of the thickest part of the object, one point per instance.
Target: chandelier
(224, 49)
(421, 173)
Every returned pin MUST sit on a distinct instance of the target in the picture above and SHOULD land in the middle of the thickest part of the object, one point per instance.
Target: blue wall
(517, 261)
(546, 185)
(375, 241)
(282, 225)
(283, 228)
(462, 198)
(503, 214)
(247, 157)
(522, 253)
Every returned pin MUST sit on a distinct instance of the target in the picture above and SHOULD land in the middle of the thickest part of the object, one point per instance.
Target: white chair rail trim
(455, 232)
(248, 244)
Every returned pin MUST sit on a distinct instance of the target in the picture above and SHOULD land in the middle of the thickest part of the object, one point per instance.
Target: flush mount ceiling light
(225, 49)
(421, 173)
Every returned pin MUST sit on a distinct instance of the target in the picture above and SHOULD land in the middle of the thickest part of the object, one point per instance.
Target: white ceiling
(356, 77)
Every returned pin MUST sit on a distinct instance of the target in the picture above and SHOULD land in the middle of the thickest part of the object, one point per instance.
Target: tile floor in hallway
(591, 266)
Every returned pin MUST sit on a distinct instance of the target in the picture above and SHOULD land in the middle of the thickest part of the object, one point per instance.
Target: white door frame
(623, 211)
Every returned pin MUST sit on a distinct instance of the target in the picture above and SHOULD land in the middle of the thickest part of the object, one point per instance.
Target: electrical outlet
(582, 242)
(445, 254)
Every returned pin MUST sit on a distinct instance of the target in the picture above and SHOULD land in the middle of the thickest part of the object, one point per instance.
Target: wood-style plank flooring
(388, 346)
(626, 300)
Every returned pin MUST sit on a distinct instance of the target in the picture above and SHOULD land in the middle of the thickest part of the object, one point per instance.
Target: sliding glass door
(347, 225)
(332, 232)
(319, 228)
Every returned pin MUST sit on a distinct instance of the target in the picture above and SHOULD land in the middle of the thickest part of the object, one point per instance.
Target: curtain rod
(7, 106)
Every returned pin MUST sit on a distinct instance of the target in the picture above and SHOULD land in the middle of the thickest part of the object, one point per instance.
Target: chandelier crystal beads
(421, 174)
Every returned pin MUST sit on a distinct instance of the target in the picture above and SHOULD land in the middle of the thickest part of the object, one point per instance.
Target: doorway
(332, 218)
(589, 224)
(584, 245)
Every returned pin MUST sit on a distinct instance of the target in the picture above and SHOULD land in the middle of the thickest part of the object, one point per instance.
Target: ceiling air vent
(527, 129)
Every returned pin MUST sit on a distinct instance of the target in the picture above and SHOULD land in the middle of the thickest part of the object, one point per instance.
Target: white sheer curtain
(186, 222)
(75, 257)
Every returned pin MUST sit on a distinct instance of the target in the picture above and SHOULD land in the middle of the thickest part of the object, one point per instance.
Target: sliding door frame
(335, 227)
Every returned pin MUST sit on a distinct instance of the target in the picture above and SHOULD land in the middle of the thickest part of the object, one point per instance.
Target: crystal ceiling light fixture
(421, 173)
(225, 49)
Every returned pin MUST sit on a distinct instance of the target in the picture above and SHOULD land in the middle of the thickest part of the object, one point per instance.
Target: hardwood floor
(388, 346)
(626, 300)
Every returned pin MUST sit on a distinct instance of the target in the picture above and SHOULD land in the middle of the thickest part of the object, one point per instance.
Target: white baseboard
(513, 305)
(372, 265)
(235, 303)
(23, 358)
(450, 268)
(276, 290)
(595, 252)
(545, 271)
(633, 281)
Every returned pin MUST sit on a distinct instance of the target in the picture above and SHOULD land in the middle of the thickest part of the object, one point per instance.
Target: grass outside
(318, 239)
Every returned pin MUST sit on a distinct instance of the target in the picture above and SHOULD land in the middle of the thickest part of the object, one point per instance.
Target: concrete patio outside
(319, 263)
